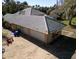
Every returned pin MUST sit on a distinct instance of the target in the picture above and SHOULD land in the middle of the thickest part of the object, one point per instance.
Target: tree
(18, 2)
(69, 7)
(41, 8)
(25, 3)
(10, 6)
(6, 1)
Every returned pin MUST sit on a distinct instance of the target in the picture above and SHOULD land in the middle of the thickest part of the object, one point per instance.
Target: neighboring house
(36, 24)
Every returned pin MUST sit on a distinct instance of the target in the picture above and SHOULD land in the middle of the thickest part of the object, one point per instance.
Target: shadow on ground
(63, 47)
(73, 26)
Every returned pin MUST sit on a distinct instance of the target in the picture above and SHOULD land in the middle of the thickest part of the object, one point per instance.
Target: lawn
(66, 22)
(74, 21)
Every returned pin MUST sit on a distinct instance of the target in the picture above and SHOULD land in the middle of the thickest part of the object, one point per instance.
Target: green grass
(66, 22)
(74, 21)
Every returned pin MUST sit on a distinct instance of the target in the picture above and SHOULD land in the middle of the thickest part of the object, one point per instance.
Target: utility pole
(61, 2)
(57, 2)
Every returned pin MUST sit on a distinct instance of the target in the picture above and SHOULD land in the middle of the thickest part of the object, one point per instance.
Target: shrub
(6, 24)
(15, 27)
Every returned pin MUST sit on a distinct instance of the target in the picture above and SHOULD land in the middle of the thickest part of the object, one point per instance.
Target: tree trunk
(70, 20)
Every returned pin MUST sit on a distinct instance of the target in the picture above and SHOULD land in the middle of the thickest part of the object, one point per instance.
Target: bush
(15, 27)
(6, 24)
(10, 26)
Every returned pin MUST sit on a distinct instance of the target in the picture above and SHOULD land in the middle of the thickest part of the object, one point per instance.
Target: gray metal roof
(36, 12)
(53, 25)
(37, 23)
(30, 11)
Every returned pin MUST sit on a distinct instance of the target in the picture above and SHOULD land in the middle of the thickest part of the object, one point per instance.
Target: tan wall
(50, 39)
(52, 36)
(38, 35)
(35, 34)
(25, 31)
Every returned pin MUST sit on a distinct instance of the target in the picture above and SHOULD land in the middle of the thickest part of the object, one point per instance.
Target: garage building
(36, 24)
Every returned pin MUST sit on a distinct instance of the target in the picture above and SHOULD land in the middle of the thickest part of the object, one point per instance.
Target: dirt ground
(24, 49)
(69, 31)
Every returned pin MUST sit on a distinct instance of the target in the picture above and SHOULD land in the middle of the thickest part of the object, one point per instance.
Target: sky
(40, 2)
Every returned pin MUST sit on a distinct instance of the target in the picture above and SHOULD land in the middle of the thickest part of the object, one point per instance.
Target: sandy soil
(69, 31)
(24, 49)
